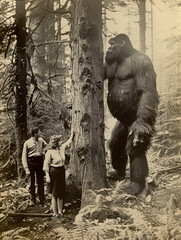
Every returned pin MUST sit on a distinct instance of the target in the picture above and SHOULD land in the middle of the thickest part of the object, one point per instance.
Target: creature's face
(114, 51)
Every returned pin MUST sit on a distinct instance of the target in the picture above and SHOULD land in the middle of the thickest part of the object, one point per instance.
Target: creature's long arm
(145, 77)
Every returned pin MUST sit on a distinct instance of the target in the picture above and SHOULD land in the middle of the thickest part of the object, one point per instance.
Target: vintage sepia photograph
(90, 119)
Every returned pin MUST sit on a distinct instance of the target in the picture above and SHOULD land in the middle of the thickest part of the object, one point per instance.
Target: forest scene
(102, 80)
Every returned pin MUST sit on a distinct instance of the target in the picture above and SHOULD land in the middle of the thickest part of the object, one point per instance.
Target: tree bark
(142, 24)
(20, 89)
(88, 153)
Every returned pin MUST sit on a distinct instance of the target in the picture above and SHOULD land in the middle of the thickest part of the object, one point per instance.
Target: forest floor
(111, 214)
(16, 200)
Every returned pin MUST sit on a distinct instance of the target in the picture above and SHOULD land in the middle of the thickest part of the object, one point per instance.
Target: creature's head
(120, 46)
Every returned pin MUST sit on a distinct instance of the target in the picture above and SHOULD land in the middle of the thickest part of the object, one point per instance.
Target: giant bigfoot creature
(132, 99)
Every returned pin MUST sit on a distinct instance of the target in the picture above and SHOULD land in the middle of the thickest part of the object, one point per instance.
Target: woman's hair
(54, 140)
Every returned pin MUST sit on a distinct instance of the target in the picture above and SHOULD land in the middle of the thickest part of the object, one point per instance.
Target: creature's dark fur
(135, 111)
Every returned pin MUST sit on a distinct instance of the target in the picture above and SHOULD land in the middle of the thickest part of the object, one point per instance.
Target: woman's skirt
(57, 181)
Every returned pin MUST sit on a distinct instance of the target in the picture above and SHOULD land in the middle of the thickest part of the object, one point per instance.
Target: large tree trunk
(62, 71)
(51, 55)
(142, 24)
(88, 155)
(20, 91)
(54, 53)
(37, 20)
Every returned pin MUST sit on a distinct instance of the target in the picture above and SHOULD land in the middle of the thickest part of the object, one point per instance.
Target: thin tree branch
(5, 165)
(137, 2)
(50, 42)
(12, 123)
(4, 218)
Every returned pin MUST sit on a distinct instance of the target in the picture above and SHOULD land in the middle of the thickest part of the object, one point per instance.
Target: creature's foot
(115, 176)
(134, 189)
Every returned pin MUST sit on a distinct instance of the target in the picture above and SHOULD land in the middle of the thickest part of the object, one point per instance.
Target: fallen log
(29, 215)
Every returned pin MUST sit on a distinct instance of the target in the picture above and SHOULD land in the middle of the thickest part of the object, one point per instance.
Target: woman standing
(55, 171)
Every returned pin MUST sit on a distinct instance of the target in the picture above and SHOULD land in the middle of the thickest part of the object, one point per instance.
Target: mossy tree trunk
(20, 88)
(87, 164)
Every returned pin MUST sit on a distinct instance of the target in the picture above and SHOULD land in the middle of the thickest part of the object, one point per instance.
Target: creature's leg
(138, 166)
(138, 173)
(117, 147)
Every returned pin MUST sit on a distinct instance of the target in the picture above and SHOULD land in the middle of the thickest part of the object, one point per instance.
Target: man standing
(32, 160)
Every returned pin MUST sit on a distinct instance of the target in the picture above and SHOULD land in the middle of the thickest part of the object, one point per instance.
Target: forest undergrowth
(109, 214)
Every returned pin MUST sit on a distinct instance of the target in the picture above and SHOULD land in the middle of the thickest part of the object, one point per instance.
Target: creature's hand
(138, 138)
(140, 132)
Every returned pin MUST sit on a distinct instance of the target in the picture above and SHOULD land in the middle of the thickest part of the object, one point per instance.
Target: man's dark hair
(34, 130)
